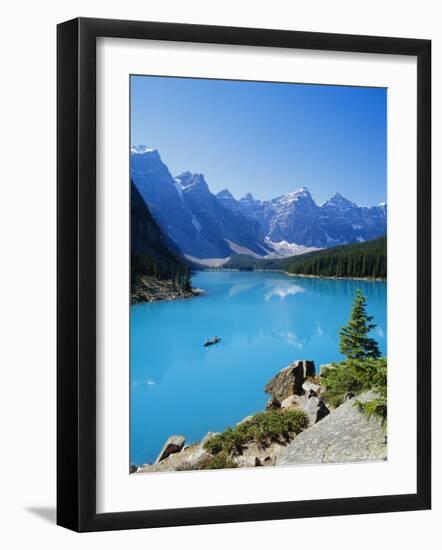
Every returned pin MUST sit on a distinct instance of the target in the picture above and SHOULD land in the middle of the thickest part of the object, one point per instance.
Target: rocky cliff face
(289, 381)
(228, 227)
(189, 214)
(345, 435)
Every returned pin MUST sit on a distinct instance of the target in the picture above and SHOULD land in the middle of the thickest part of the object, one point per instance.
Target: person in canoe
(212, 341)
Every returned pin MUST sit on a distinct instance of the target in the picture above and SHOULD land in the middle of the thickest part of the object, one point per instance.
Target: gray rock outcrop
(173, 445)
(189, 458)
(344, 435)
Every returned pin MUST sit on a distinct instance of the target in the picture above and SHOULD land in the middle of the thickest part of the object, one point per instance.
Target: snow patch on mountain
(238, 249)
(284, 248)
(339, 202)
(302, 193)
(141, 150)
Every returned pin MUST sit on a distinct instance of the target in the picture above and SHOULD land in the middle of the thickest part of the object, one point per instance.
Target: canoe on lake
(212, 341)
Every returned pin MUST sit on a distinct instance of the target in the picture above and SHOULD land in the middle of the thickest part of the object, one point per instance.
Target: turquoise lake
(266, 321)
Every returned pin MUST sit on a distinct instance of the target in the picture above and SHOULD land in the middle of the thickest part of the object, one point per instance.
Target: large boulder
(173, 445)
(289, 381)
(309, 368)
(344, 435)
(191, 457)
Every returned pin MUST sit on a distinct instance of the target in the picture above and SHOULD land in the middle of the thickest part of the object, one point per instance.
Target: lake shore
(150, 289)
(374, 279)
(264, 319)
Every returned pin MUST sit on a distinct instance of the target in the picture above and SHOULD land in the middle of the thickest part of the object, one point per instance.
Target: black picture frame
(76, 274)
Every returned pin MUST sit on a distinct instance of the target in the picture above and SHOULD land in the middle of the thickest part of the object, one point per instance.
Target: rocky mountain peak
(189, 181)
(225, 194)
(302, 193)
(338, 201)
(247, 197)
(143, 149)
(203, 224)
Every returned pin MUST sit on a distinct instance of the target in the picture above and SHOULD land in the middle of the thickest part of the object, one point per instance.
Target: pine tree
(354, 340)
(187, 281)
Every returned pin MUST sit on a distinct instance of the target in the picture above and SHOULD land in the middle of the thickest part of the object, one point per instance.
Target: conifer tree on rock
(354, 340)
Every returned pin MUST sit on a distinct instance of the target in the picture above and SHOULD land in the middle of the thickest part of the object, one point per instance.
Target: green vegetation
(263, 428)
(363, 369)
(354, 376)
(150, 253)
(376, 407)
(216, 462)
(354, 341)
(367, 259)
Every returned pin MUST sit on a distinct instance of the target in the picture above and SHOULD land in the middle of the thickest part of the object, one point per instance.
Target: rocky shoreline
(324, 434)
(151, 289)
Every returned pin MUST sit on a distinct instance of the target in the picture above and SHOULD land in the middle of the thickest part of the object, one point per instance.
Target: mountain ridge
(204, 225)
(296, 218)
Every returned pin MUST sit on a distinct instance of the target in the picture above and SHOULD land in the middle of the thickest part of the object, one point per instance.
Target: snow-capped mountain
(189, 214)
(295, 218)
(207, 226)
(292, 218)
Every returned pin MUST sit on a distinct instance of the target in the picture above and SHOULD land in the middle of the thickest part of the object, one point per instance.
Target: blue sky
(266, 138)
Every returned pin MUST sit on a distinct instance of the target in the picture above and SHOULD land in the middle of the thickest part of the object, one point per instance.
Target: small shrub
(214, 445)
(217, 462)
(264, 428)
(231, 441)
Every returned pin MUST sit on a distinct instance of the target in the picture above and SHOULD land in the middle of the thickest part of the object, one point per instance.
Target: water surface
(265, 320)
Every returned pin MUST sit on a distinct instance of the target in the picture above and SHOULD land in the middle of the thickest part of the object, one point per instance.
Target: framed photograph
(243, 274)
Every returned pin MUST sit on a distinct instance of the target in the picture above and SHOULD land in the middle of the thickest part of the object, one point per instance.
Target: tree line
(151, 254)
(368, 259)
(355, 260)
(178, 273)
